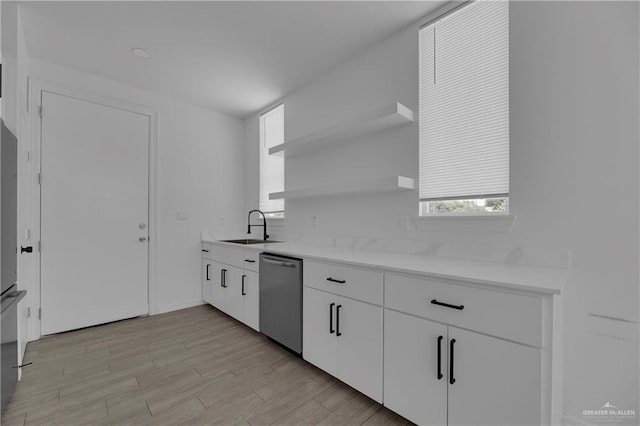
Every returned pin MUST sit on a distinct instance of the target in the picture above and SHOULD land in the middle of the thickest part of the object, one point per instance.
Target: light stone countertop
(546, 280)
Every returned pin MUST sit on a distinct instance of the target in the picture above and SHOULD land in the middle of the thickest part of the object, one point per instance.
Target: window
(464, 111)
(271, 166)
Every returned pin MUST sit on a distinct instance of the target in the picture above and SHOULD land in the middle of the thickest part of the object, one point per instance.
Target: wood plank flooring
(195, 366)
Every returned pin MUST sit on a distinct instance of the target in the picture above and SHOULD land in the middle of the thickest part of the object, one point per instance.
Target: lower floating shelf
(392, 183)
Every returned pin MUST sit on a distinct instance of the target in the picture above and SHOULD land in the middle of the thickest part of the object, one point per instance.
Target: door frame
(36, 87)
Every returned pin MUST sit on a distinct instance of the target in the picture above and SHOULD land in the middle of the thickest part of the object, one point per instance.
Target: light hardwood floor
(193, 366)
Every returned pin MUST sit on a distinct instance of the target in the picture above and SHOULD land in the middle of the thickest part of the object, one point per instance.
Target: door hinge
(39, 178)
(41, 111)
(39, 313)
(28, 312)
(39, 246)
(28, 156)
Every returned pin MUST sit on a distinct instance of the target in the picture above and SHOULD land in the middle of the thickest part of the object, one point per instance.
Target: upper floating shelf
(392, 183)
(372, 122)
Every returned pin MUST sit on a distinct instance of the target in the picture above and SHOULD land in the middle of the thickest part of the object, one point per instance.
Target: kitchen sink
(250, 241)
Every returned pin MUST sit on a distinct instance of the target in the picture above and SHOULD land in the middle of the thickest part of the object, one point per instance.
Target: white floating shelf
(393, 183)
(372, 122)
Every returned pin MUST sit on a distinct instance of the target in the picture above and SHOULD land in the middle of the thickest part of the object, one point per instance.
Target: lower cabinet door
(235, 300)
(319, 345)
(415, 383)
(251, 293)
(218, 292)
(206, 281)
(496, 382)
(359, 335)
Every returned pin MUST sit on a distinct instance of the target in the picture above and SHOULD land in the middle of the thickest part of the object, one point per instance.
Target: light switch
(182, 215)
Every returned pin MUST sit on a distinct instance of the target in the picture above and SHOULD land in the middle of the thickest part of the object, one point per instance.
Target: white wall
(9, 20)
(574, 170)
(199, 158)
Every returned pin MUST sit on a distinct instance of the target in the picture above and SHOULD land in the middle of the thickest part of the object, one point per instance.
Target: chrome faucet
(264, 224)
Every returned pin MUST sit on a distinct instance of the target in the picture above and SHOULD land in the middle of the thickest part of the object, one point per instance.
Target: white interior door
(94, 213)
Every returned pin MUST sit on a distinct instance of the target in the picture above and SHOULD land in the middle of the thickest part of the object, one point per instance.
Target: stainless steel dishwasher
(281, 300)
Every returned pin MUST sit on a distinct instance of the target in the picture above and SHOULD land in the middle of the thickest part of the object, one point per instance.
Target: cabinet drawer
(251, 260)
(360, 284)
(228, 255)
(510, 316)
(206, 251)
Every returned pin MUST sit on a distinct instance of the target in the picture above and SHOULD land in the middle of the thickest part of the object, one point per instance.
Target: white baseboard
(162, 309)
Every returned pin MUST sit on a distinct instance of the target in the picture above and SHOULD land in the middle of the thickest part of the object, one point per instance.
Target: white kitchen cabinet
(206, 280)
(226, 293)
(412, 386)
(251, 296)
(496, 382)
(319, 344)
(359, 332)
(218, 291)
(480, 380)
(234, 283)
(498, 373)
(344, 337)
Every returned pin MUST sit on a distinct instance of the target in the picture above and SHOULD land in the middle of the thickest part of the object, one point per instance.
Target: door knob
(142, 239)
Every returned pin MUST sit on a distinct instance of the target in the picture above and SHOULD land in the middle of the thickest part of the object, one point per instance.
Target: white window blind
(464, 104)
(271, 166)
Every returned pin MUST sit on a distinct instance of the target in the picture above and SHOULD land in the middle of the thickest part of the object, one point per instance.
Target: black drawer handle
(452, 380)
(28, 249)
(440, 357)
(208, 277)
(447, 305)
(243, 277)
(338, 333)
(205, 250)
(331, 330)
(333, 280)
(250, 260)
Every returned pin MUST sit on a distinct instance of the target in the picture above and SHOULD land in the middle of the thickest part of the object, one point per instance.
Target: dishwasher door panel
(281, 300)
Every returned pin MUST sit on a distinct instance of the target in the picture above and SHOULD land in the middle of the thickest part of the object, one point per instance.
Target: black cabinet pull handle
(452, 380)
(243, 277)
(23, 365)
(447, 305)
(205, 250)
(208, 277)
(338, 333)
(331, 330)
(28, 249)
(440, 357)
(250, 260)
(333, 280)
(223, 278)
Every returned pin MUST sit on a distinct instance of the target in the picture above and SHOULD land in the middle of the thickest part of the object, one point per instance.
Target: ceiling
(234, 57)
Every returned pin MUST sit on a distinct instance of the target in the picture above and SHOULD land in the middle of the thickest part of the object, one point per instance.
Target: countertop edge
(462, 278)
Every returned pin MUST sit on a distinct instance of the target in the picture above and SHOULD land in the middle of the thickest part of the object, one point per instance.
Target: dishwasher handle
(279, 262)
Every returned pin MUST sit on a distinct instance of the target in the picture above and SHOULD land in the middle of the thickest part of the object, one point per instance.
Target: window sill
(466, 223)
